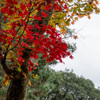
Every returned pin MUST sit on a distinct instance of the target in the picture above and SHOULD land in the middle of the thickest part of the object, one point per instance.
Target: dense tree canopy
(28, 28)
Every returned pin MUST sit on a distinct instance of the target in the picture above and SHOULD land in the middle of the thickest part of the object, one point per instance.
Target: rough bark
(18, 85)
(18, 82)
(17, 89)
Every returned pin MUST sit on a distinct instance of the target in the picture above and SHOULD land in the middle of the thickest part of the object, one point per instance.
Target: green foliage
(43, 85)
(71, 47)
(52, 85)
(71, 87)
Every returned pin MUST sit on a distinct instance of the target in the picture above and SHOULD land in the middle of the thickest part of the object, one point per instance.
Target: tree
(61, 85)
(42, 78)
(71, 87)
(28, 28)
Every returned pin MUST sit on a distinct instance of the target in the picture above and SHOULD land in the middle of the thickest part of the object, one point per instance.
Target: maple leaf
(48, 7)
(24, 44)
(37, 17)
(29, 68)
(25, 13)
(20, 59)
(30, 63)
(37, 26)
(22, 6)
(44, 14)
(36, 56)
(37, 34)
(65, 6)
(71, 56)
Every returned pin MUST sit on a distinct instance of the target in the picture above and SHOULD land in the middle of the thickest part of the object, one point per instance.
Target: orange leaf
(72, 22)
(97, 2)
(29, 83)
(72, 14)
(5, 80)
(89, 17)
(36, 64)
(25, 75)
(62, 33)
(75, 37)
(42, 7)
(35, 67)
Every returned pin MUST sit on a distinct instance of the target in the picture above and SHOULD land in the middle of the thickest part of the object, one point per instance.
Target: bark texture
(18, 85)
(17, 89)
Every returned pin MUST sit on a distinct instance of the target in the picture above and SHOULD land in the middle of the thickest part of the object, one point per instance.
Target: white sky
(86, 60)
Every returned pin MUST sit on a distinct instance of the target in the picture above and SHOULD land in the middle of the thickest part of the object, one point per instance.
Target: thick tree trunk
(17, 89)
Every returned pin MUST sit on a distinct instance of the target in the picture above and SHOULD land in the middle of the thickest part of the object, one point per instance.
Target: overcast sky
(86, 60)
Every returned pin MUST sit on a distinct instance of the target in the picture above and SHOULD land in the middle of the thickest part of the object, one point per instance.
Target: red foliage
(45, 38)
(44, 14)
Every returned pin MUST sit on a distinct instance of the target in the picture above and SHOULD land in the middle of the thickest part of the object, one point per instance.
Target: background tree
(28, 28)
(71, 87)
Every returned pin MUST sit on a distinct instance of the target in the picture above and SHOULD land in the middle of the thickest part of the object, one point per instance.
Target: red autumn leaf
(22, 6)
(25, 13)
(65, 6)
(48, 7)
(9, 42)
(21, 53)
(10, 38)
(71, 56)
(37, 17)
(37, 34)
(4, 9)
(20, 59)
(24, 44)
(36, 56)
(29, 68)
(44, 14)
(29, 4)
(30, 63)
(37, 26)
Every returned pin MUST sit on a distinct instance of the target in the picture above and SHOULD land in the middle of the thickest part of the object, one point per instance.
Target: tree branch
(4, 66)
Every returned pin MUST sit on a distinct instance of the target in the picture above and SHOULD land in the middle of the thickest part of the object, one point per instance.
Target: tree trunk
(17, 89)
